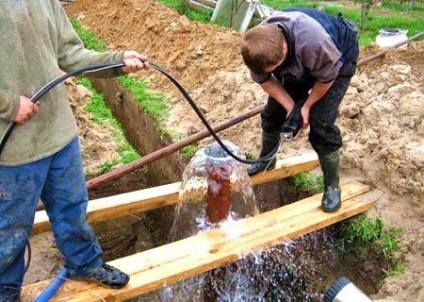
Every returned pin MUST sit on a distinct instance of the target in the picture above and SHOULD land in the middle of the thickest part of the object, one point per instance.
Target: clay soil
(381, 118)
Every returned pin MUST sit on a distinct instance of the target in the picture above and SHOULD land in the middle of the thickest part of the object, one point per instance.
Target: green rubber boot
(269, 142)
(331, 200)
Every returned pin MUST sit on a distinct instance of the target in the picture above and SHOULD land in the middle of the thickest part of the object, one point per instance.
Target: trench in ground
(128, 235)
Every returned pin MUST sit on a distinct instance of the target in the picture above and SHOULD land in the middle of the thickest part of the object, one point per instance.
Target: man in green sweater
(42, 158)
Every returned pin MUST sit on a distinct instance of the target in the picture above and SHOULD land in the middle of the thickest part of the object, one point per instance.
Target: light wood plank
(148, 199)
(189, 257)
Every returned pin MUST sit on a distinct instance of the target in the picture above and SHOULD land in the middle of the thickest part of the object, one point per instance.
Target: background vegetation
(384, 14)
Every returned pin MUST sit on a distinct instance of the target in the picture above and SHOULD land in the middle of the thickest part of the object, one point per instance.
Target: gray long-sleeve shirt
(37, 41)
(314, 52)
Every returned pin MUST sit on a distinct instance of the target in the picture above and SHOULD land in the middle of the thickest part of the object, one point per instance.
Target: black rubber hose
(205, 122)
(96, 68)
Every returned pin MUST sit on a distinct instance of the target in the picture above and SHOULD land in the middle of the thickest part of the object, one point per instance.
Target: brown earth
(381, 117)
(97, 143)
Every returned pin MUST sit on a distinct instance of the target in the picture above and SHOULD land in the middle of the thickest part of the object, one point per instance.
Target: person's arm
(274, 89)
(318, 91)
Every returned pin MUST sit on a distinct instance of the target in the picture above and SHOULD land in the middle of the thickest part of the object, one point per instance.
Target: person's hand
(134, 62)
(26, 110)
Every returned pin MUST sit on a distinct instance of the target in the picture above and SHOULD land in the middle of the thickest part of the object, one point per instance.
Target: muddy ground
(381, 117)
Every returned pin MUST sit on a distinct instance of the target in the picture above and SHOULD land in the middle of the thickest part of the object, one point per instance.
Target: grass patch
(88, 37)
(368, 235)
(188, 151)
(378, 21)
(102, 115)
(402, 7)
(389, 15)
(192, 14)
(391, 18)
(310, 182)
(156, 104)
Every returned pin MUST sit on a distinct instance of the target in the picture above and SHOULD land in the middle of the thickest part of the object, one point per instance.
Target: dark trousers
(324, 135)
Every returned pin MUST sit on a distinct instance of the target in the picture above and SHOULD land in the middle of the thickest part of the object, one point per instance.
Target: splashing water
(215, 192)
(215, 189)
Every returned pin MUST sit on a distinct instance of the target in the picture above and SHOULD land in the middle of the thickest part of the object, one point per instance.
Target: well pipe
(161, 153)
(345, 291)
(118, 172)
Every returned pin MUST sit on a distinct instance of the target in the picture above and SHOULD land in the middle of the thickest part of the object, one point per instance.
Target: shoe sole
(103, 285)
(326, 210)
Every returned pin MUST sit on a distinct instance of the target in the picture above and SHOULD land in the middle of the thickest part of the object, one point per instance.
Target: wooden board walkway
(153, 198)
(189, 257)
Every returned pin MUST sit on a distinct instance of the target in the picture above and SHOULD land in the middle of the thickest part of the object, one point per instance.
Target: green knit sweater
(37, 41)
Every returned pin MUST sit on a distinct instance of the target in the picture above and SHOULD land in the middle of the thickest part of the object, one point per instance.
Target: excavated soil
(381, 117)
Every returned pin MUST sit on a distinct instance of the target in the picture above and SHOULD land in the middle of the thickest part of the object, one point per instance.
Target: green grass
(391, 18)
(188, 151)
(389, 15)
(192, 14)
(309, 181)
(377, 21)
(360, 232)
(404, 7)
(102, 115)
(88, 37)
(156, 104)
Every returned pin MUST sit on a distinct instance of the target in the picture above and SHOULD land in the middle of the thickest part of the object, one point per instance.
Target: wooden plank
(153, 198)
(288, 167)
(189, 257)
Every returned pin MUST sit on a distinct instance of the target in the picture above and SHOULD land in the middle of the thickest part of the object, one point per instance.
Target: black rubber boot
(331, 201)
(107, 276)
(269, 142)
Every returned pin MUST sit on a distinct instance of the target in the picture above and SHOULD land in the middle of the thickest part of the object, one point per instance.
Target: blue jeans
(59, 181)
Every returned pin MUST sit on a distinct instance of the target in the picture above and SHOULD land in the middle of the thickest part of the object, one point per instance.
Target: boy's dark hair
(261, 47)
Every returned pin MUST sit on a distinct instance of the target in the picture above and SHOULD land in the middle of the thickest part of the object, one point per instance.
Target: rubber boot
(269, 142)
(331, 201)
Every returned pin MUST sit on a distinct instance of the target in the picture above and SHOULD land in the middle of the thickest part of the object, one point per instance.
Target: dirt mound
(190, 51)
(381, 117)
(382, 121)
